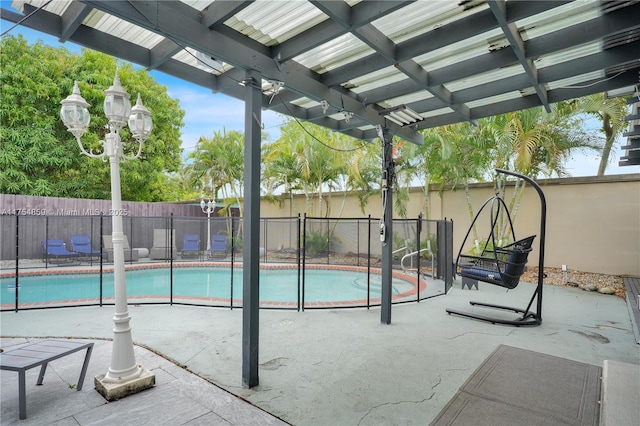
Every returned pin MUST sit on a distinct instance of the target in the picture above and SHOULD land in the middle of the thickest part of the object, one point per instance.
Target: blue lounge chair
(190, 245)
(57, 250)
(81, 244)
(219, 245)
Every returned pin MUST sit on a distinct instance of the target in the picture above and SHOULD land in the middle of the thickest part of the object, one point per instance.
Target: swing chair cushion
(504, 268)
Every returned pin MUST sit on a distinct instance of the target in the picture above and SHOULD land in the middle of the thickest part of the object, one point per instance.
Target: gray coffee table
(40, 354)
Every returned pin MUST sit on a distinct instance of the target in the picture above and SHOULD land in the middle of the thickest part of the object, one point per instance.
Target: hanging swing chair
(499, 265)
(503, 265)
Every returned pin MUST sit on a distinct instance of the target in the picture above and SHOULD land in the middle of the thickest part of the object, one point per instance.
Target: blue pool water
(276, 285)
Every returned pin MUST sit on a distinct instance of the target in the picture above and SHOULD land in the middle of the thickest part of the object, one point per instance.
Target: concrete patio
(329, 367)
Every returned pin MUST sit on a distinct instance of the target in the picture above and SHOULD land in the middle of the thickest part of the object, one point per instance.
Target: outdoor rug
(519, 387)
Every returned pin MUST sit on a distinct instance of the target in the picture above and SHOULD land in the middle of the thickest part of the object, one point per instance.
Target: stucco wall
(593, 224)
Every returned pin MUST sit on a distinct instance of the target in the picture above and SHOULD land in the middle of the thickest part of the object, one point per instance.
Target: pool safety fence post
(91, 240)
(46, 238)
(367, 225)
(418, 232)
(449, 254)
(171, 259)
(304, 257)
(441, 237)
(358, 241)
(368, 262)
(233, 250)
(328, 241)
(298, 256)
(202, 255)
(445, 261)
(17, 259)
(264, 236)
(101, 255)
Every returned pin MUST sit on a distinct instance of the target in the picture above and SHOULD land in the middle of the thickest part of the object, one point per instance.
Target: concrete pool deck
(328, 367)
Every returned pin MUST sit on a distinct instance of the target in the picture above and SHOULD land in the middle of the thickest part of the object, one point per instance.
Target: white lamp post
(208, 207)
(125, 376)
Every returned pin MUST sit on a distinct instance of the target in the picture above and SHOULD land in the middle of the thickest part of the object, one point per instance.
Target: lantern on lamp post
(124, 376)
(208, 207)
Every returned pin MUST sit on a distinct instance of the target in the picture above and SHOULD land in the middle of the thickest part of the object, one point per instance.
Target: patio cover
(346, 65)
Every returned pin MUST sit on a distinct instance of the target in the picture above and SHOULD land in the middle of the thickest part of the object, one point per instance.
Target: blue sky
(206, 112)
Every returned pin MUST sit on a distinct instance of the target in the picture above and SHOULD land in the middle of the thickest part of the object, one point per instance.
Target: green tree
(533, 142)
(282, 168)
(217, 166)
(364, 173)
(309, 158)
(611, 113)
(39, 156)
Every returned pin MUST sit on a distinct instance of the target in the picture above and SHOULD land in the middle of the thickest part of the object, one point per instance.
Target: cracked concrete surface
(345, 368)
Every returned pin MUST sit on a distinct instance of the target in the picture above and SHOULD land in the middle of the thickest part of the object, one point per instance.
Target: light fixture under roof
(208, 62)
(402, 115)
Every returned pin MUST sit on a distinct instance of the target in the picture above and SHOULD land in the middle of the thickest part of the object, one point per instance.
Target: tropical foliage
(40, 157)
(532, 142)
(317, 162)
(610, 113)
(216, 167)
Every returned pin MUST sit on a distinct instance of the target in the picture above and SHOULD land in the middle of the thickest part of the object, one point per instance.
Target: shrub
(318, 242)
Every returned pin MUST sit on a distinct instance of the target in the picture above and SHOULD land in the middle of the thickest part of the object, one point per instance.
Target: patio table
(40, 354)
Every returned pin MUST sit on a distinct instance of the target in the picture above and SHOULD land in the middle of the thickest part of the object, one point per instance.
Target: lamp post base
(112, 391)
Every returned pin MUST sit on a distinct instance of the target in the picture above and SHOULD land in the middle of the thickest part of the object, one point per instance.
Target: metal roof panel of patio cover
(448, 60)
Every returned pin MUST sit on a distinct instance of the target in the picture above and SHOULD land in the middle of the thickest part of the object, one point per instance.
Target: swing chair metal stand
(528, 316)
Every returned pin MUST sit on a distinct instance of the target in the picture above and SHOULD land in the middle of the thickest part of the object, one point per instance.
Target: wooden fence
(26, 221)
(26, 205)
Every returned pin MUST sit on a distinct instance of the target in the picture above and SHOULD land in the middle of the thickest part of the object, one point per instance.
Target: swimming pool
(204, 284)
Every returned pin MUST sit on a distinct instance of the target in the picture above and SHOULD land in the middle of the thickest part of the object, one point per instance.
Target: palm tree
(310, 158)
(219, 161)
(534, 142)
(363, 173)
(611, 112)
(281, 166)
